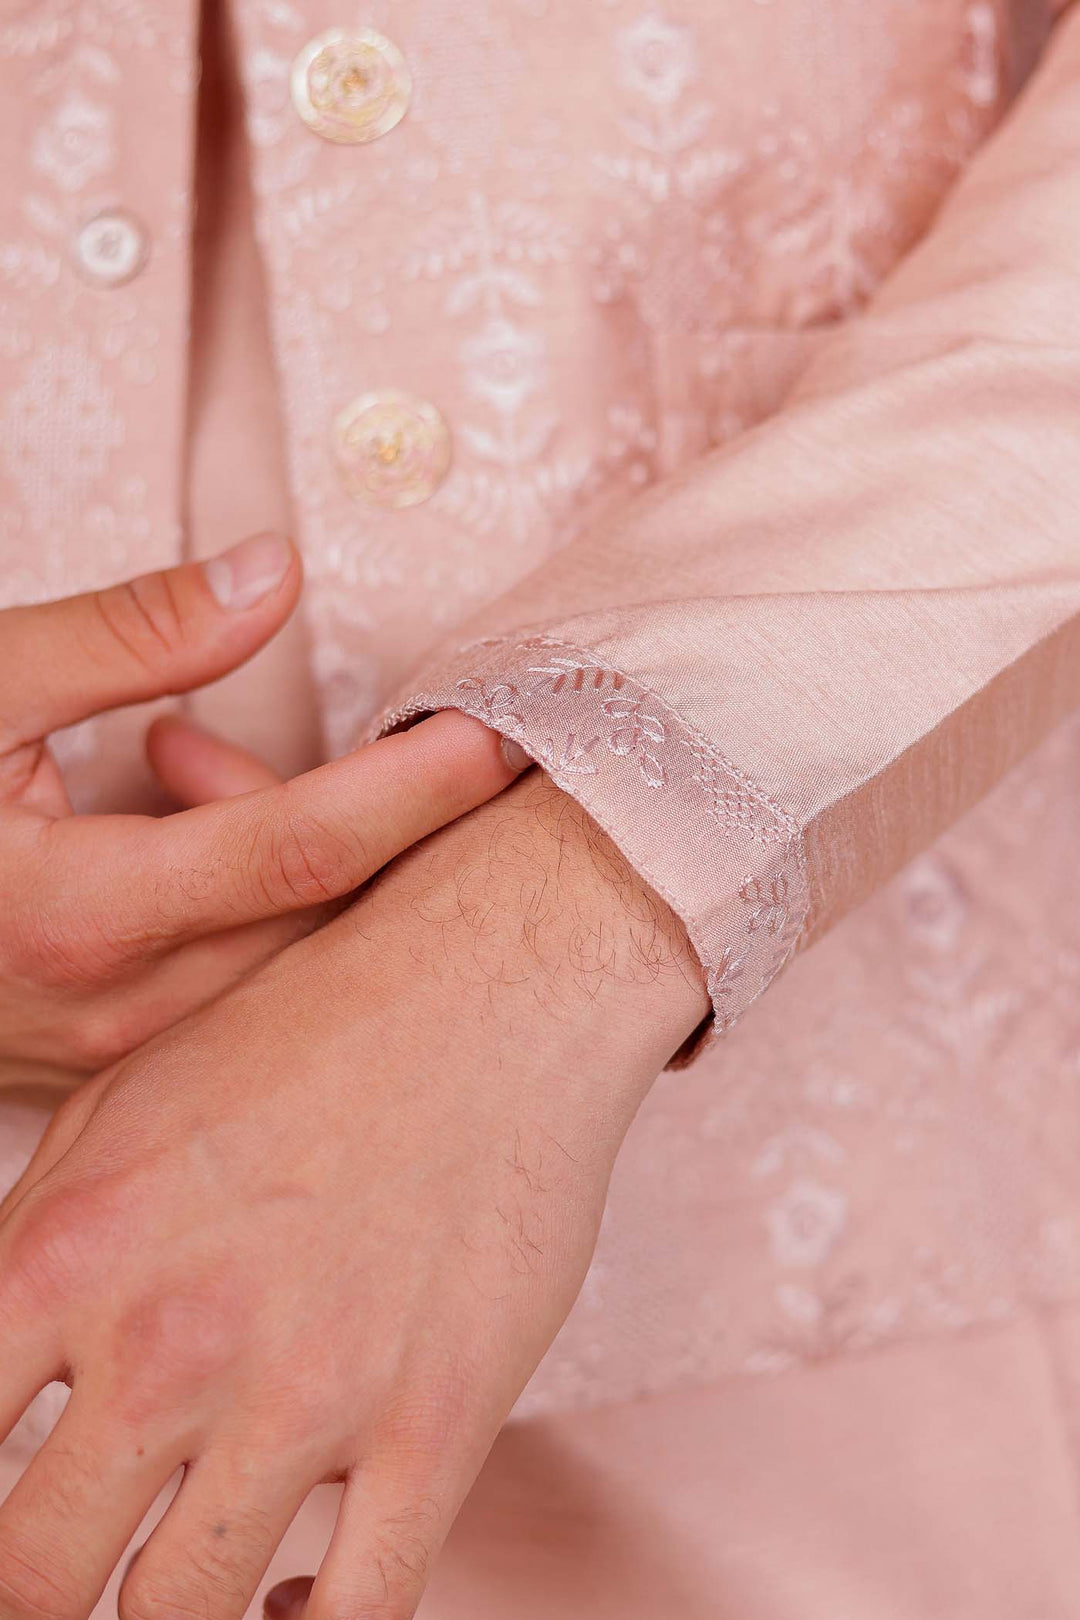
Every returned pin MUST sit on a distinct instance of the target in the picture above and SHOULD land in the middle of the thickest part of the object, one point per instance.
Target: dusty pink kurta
(592, 243)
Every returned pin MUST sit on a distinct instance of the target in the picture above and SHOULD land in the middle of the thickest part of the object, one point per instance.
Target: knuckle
(212, 1577)
(31, 1588)
(143, 1599)
(172, 1343)
(314, 862)
(142, 617)
(62, 940)
(420, 1426)
(43, 947)
(386, 1592)
(101, 1034)
(187, 1595)
(61, 1240)
(404, 1551)
(69, 1476)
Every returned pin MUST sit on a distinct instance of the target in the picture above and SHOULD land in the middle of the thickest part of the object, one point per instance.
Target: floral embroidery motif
(638, 735)
(76, 145)
(667, 186)
(628, 729)
(656, 64)
(504, 368)
(806, 1223)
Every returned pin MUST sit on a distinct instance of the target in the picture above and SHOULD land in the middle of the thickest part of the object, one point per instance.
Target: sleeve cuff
(727, 859)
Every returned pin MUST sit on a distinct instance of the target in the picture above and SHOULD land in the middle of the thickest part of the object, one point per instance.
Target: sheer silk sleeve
(775, 678)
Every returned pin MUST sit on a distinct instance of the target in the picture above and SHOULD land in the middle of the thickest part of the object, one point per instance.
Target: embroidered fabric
(592, 282)
(594, 728)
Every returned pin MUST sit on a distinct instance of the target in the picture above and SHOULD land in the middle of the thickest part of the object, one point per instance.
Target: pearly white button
(111, 248)
(392, 449)
(351, 85)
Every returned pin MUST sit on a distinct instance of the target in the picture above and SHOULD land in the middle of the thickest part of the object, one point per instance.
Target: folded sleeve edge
(726, 858)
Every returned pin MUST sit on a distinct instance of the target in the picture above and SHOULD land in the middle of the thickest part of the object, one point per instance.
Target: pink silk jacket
(690, 390)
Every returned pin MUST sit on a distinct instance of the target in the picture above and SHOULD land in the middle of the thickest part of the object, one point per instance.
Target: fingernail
(286, 1600)
(245, 574)
(514, 755)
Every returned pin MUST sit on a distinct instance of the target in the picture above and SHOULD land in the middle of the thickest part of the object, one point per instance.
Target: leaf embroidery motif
(637, 734)
(768, 902)
(568, 673)
(572, 757)
(502, 703)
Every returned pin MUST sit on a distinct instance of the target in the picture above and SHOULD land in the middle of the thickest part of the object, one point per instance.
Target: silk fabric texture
(759, 533)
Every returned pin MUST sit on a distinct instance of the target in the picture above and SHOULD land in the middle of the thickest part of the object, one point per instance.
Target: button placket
(393, 450)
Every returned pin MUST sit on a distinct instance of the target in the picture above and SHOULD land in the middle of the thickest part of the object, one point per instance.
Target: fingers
(313, 839)
(214, 1545)
(31, 778)
(177, 984)
(163, 633)
(376, 1567)
(67, 1521)
(286, 1600)
(195, 767)
(390, 1527)
(423, 1455)
(212, 1548)
(27, 1367)
(31, 1349)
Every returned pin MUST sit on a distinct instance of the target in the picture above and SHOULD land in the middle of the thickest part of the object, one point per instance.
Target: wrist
(525, 912)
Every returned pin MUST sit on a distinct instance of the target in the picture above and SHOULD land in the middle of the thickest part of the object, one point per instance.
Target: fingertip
(261, 572)
(166, 735)
(514, 756)
(470, 740)
(286, 1600)
(159, 731)
(196, 767)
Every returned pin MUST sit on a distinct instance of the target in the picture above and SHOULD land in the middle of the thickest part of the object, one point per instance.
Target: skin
(114, 927)
(360, 1287)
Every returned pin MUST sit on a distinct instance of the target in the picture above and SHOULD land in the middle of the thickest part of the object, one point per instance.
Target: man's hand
(113, 927)
(326, 1227)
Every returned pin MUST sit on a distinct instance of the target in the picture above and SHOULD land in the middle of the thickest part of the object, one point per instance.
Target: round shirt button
(393, 450)
(351, 85)
(111, 248)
